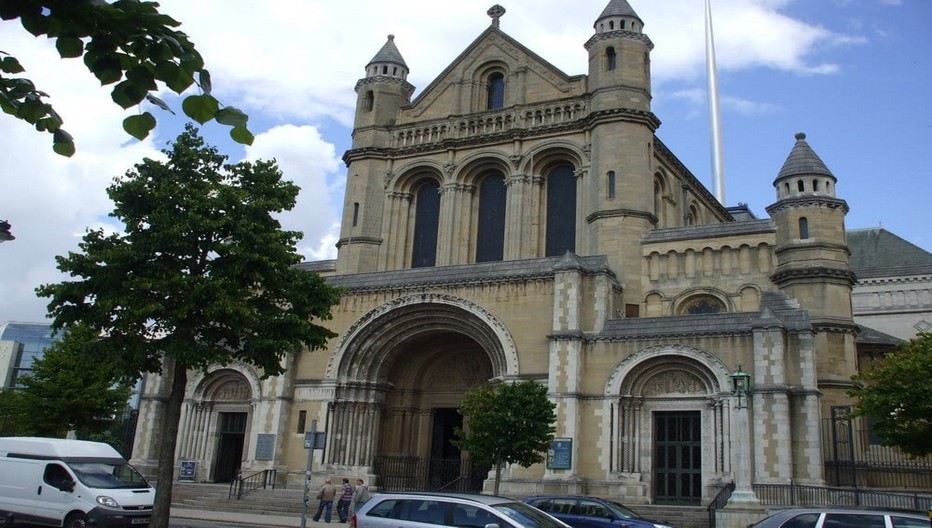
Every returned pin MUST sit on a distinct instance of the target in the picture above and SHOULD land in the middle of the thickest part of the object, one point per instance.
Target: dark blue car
(591, 512)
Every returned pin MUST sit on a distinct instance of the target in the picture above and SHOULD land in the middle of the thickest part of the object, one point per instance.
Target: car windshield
(623, 510)
(108, 475)
(527, 516)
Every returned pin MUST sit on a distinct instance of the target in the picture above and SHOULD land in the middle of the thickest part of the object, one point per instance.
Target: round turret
(388, 62)
(804, 173)
(618, 16)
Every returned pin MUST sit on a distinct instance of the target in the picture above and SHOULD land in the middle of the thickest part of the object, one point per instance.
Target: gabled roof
(803, 161)
(487, 35)
(877, 252)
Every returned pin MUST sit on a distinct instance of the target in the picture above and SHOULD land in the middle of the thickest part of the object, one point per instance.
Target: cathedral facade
(513, 222)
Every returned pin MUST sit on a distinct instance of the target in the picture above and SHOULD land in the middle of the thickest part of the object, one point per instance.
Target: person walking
(326, 495)
(346, 497)
(360, 496)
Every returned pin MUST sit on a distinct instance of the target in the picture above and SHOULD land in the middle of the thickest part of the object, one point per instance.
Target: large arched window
(496, 93)
(426, 223)
(561, 211)
(658, 200)
(490, 236)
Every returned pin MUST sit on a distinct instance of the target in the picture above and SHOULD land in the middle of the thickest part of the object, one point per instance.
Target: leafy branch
(127, 43)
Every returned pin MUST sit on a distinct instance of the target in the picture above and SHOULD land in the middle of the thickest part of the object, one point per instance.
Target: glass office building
(26, 342)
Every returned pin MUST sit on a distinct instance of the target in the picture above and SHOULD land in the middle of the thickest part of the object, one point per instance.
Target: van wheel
(76, 520)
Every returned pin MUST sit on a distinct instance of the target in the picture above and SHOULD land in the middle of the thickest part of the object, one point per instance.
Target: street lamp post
(741, 390)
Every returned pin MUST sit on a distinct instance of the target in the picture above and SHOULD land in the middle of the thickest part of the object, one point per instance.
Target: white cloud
(305, 158)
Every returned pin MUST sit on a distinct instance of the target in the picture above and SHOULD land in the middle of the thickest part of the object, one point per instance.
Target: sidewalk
(252, 519)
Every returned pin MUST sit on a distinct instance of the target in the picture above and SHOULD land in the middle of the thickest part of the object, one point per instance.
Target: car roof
(816, 509)
(548, 496)
(482, 499)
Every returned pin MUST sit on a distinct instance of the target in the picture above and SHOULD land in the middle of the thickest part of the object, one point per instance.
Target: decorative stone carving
(671, 383)
(232, 391)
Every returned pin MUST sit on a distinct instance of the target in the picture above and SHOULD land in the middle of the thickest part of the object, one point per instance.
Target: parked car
(592, 512)
(842, 518)
(421, 510)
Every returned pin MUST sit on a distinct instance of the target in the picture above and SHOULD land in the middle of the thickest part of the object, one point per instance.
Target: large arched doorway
(215, 423)
(673, 426)
(402, 371)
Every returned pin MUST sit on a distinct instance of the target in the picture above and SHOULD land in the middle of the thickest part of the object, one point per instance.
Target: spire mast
(715, 118)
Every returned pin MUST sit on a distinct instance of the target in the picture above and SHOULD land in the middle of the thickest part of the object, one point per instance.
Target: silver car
(423, 510)
(842, 518)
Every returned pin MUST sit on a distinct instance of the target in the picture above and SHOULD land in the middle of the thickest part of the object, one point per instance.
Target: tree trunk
(498, 477)
(168, 438)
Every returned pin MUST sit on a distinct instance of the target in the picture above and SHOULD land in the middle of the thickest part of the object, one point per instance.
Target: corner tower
(812, 263)
(619, 59)
(380, 96)
(619, 184)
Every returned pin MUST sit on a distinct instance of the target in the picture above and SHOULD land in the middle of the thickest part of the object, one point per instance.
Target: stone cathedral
(515, 222)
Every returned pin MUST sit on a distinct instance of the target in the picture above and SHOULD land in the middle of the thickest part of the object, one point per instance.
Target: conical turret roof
(616, 8)
(803, 161)
(389, 53)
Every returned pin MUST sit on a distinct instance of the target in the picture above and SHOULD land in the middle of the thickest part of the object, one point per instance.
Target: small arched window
(611, 59)
(355, 213)
(496, 91)
(384, 70)
(815, 185)
(702, 304)
(611, 24)
(800, 186)
(610, 184)
(370, 101)
(803, 227)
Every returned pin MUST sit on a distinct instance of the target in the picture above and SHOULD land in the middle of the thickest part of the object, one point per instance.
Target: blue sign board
(560, 454)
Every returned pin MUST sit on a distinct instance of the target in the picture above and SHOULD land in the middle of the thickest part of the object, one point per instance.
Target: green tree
(506, 424)
(897, 391)
(127, 42)
(71, 390)
(203, 275)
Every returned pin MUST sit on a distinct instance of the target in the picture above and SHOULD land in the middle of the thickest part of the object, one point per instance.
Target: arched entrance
(672, 422)
(403, 370)
(215, 423)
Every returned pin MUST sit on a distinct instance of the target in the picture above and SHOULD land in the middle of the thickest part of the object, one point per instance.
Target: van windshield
(108, 475)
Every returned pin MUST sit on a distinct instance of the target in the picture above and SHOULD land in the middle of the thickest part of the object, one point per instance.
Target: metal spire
(715, 118)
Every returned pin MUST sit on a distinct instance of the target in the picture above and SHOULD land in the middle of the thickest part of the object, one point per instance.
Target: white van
(56, 482)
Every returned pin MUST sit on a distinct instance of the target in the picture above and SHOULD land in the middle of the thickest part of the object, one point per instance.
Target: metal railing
(243, 485)
(719, 501)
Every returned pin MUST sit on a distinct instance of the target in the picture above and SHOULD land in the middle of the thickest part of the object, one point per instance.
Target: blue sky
(854, 75)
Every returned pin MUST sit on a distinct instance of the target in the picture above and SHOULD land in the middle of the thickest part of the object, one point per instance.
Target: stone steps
(284, 501)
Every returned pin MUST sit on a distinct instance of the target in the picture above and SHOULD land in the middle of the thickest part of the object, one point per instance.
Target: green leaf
(173, 76)
(204, 77)
(32, 109)
(62, 143)
(11, 65)
(241, 135)
(142, 78)
(232, 116)
(106, 68)
(201, 108)
(35, 24)
(159, 103)
(140, 125)
(128, 94)
(69, 47)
